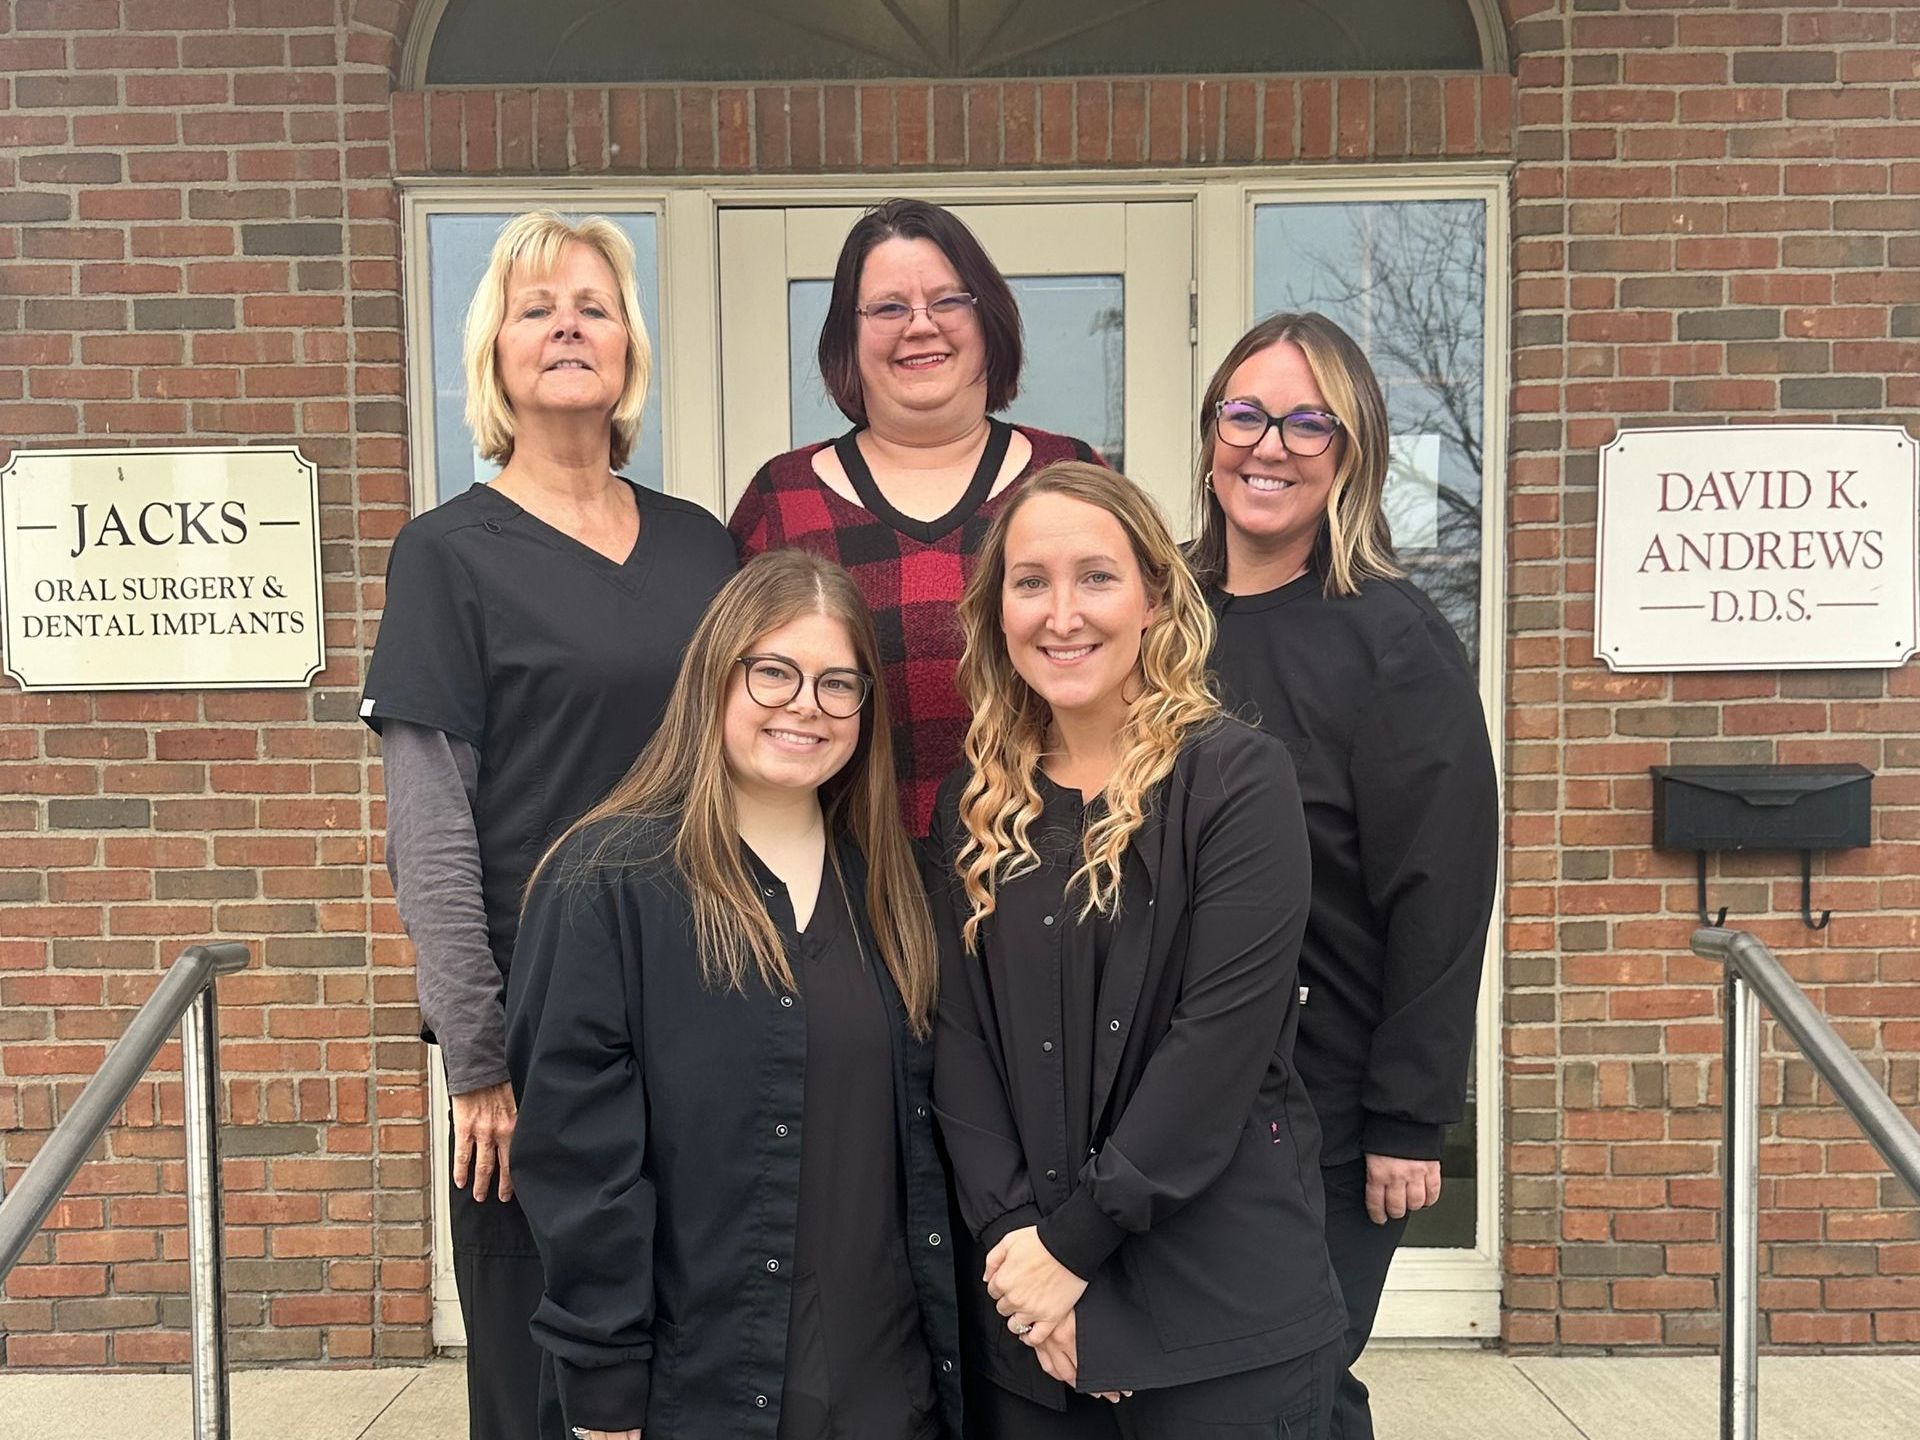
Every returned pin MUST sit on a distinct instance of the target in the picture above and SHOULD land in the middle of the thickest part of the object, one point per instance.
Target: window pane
(1407, 279)
(1074, 380)
(457, 251)
(1450, 1222)
(558, 42)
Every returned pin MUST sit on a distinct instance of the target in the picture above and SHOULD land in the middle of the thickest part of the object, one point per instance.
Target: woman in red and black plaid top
(920, 344)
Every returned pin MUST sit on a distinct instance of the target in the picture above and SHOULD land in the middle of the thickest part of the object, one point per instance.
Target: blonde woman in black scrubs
(1125, 886)
(532, 630)
(1332, 650)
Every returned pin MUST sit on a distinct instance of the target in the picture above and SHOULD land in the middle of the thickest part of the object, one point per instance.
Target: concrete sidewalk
(1419, 1395)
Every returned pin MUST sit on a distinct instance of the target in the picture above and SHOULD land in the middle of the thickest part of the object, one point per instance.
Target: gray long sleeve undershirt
(433, 855)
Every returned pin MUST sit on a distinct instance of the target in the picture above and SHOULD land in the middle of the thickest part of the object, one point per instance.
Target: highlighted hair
(1355, 542)
(1008, 735)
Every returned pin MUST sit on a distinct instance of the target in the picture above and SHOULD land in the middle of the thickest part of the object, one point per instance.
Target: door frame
(1432, 1294)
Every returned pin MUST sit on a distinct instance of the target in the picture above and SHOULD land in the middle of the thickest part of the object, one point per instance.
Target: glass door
(1104, 290)
(1406, 272)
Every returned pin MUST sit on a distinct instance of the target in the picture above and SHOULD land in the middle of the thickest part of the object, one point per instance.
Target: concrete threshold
(1418, 1394)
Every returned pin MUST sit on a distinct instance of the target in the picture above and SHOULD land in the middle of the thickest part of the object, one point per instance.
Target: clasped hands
(1037, 1294)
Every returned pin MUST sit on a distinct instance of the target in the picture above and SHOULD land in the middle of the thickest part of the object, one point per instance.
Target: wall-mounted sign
(177, 569)
(1771, 547)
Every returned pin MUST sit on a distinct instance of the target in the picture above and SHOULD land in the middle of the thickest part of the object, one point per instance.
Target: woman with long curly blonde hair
(1121, 892)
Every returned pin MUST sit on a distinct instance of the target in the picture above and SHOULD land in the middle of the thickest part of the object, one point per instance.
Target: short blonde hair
(534, 241)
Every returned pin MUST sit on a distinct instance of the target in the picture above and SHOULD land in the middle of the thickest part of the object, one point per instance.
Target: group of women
(941, 960)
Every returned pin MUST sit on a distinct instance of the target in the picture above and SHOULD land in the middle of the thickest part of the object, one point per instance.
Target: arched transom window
(499, 42)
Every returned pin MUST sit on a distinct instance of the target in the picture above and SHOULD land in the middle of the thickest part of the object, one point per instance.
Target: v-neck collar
(630, 573)
(999, 437)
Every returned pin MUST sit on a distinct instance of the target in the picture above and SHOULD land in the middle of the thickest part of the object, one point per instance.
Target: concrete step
(1419, 1394)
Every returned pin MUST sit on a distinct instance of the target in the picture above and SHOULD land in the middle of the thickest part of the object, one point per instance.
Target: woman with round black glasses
(1324, 644)
(719, 1028)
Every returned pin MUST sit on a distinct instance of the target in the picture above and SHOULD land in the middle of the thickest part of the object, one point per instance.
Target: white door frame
(1432, 1294)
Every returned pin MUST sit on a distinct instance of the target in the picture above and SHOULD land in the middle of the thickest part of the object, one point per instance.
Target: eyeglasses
(1304, 433)
(774, 681)
(949, 312)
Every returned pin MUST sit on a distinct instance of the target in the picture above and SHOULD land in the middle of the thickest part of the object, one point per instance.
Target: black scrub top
(857, 1365)
(1072, 956)
(551, 660)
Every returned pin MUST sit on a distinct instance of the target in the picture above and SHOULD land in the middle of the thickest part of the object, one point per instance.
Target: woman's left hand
(1030, 1287)
(1396, 1188)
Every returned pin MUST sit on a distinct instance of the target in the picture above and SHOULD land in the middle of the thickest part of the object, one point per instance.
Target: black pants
(497, 1272)
(1289, 1401)
(1361, 1252)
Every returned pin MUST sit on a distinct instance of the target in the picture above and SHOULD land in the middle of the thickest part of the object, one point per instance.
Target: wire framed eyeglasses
(949, 312)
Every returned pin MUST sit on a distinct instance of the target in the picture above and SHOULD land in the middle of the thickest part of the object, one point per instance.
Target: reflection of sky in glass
(1407, 279)
(1074, 381)
(457, 251)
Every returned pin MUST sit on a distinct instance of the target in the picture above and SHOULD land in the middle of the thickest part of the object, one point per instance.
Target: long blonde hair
(1355, 542)
(681, 778)
(534, 240)
(1000, 801)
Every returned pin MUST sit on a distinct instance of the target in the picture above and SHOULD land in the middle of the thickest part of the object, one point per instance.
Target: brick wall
(1715, 213)
(1013, 124)
(1714, 207)
(198, 244)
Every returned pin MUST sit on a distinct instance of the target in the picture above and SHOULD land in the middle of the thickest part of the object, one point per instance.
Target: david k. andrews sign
(1757, 547)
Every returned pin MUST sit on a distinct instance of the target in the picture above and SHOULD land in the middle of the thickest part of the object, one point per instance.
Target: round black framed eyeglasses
(774, 680)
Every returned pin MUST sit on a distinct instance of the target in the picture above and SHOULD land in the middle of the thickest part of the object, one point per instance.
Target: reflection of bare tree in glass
(1110, 325)
(1415, 304)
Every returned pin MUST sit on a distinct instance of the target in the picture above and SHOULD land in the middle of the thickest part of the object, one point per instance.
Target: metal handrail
(184, 997)
(1755, 975)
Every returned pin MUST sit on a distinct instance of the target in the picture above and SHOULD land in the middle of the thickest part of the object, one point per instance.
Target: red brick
(587, 129)
(626, 129)
(1279, 136)
(804, 126)
(699, 146)
(1092, 120)
(949, 125)
(1056, 122)
(913, 108)
(1020, 123)
(840, 117)
(1316, 120)
(874, 104)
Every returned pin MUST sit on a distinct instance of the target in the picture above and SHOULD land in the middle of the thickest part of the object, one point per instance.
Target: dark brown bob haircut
(994, 307)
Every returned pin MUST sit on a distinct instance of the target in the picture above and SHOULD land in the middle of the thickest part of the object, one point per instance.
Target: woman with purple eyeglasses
(1325, 644)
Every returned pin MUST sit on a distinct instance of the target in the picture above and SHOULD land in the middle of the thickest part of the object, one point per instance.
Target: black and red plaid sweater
(911, 573)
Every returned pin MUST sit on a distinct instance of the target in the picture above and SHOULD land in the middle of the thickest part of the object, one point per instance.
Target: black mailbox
(1763, 807)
